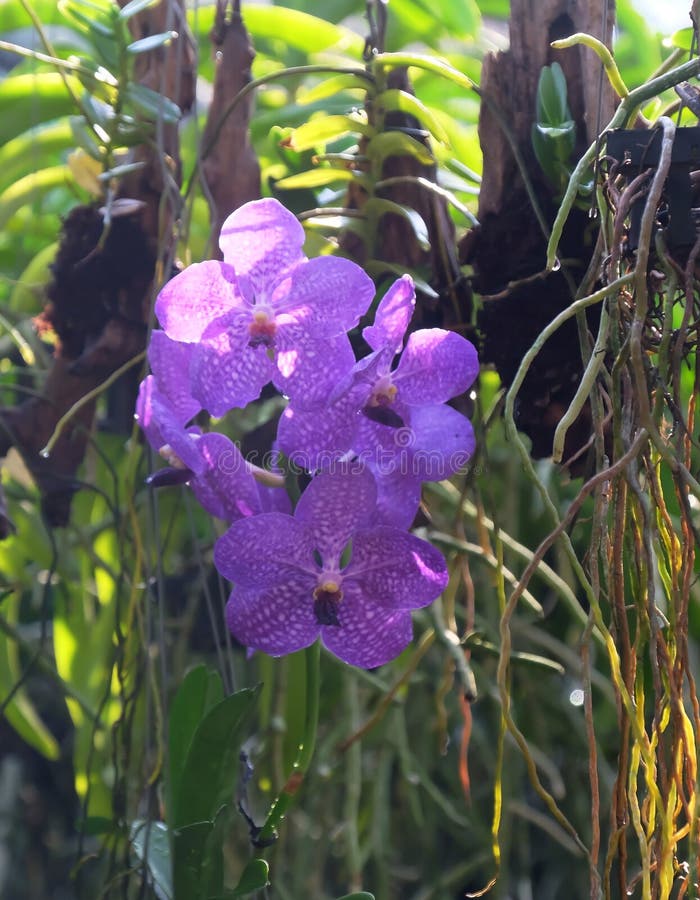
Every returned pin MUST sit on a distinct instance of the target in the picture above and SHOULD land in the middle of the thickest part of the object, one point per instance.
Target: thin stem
(305, 751)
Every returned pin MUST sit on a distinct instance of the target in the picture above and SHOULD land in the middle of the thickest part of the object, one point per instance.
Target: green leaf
(134, 7)
(552, 104)
(153, 104)
(332, 86)
(323, 129)
(314, 178)
(118, 171)
(359, 895)
(210, 770)
(428, 63)
(37, 147)
(31, 189)
(84, 136)
(190, 853)
(90, 26)
(28, 293)
(26, 101)
(401, 101)
(254, 878)
(379, 207)
(397, 143)
(151, 844)
(20, 712)
(199, 691)
(377, 267)
(152, 42)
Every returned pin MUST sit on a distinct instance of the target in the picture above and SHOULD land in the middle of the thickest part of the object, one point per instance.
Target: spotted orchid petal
(198, 296)
(392, 317)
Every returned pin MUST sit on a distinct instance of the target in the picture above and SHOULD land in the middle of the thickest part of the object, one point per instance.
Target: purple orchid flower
(294, 584)
(222, 481)
(266, 313)
(394, 419)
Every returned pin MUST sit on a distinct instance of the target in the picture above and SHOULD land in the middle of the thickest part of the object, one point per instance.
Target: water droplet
(45, 453)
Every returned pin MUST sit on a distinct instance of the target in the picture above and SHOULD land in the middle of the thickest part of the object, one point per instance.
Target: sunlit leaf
(323, 129)
(152, 42)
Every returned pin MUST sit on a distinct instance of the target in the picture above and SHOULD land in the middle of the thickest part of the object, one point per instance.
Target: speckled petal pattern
(262, 240)
(368, 635)
(397, 570)
(228, 373)
(277, 621)
(170, 364)
(435, 366)
(200, 294)
(226, 488)
(265, 550)
(335, 504)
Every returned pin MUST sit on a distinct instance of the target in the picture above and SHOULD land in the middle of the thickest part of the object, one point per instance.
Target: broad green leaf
(26, 101)
(376, 206)
(190, 846)
(254, 878)
(323, 129)
(210, 770)
(397, 143)
(152, 42)
(298, 30)
(402, 101)
(20, 711)
(31, 189)
(151, 844)
(199, 691)
(314, 178)
(28, 293)
(682, 38)
(552, 105)
(36, 148)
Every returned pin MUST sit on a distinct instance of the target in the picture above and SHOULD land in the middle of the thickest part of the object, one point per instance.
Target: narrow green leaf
(329, 87)
(401, 101)
(323, 129)
(377, 267)
(423, 61)
(152, 42)
(190, 853)
(152, 103)
(314, 178)
(118, 171)
(379, 207)
(89, 26)
(85, 137)
(134, 7)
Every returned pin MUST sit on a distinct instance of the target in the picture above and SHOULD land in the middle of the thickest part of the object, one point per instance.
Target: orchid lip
(327, 598)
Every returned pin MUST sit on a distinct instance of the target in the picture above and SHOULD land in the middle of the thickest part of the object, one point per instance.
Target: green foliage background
(111, 629)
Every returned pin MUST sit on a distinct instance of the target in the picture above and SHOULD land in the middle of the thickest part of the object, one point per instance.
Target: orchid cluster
(342, 566)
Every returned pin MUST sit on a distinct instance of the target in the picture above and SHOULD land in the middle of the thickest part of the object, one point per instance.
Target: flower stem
(268, 832)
